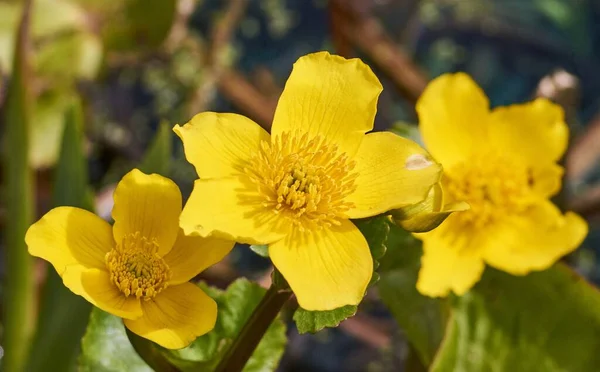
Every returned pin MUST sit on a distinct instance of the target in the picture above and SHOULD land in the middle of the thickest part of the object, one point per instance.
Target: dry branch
(215, 64)
(244, 95)
(368, 35)
(585, 150)
(587, 204)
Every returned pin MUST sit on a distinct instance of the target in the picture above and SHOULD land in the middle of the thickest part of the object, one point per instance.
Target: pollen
(304, 179)
(494, 186)
(136, 268)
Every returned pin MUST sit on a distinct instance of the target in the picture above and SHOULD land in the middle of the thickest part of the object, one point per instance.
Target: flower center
(136, 268)
(493, 186)
(305, 180)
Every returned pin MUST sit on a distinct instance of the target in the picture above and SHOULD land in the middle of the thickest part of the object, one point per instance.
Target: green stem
(19, 290)
(249, 337)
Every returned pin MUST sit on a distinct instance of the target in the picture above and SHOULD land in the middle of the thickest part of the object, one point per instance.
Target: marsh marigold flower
(503, 164)
(139, 268)
(297, 188)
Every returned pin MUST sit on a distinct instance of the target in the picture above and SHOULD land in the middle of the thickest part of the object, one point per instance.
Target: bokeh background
(136, 64)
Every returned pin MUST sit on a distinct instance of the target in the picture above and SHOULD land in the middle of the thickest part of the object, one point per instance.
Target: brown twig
(585, 151)
(215, 63)
(264, 80)
(367, 34)
(587, 204)
(244, 95)
(339, 40)
(563, 88)
(179, 29)
(367, 329)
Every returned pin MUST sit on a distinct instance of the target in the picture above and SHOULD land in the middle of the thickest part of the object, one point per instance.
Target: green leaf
(423, 319)
(45, 136)
(314, 321)
(261, 250)
(64, 315)
(71, 175)
(545, 321)
(59, 31)
(106, 348)
(59, 34)
(135, 25)
(83, 50)
(375, 230)
(18, 301)
(158, 156)
(235, 306)
(9, 20)
(57, 16)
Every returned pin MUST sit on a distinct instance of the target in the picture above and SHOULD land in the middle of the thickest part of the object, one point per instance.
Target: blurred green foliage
(546, 321)
(421, 318)
(235, 307)
(106, 347)
(158, 156)
(18, 180)
(64, 315)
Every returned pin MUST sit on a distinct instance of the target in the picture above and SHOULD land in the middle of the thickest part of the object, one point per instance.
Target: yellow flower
(297, 188)
(138, 269)
(503, 164)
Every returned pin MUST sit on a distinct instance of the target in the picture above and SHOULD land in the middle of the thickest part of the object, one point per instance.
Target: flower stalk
(239, 352)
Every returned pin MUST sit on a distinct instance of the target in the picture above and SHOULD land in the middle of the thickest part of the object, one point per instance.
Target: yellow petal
(533, 241)
(220, 145)
(176, 316)
(534, 132)
(453, 113)
(326, 268)
(67, 236)
(329, 96)
(193, 254)
(230, 208)
(451, 260)
(546, 179)
(150, 204)
(392, 172)
(95, 286)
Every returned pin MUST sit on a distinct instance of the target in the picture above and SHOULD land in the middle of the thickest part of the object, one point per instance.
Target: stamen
(494, 186)
(305, 180)
(136, 269)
